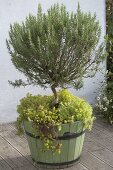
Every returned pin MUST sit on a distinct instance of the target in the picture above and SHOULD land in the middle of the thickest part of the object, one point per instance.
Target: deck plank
(100, 122)
(11, 156)
(102, 138)
(4, 165)
(18, 142)
(26, 167)
(93, 163)
(77, 167)
(107, 130)
(99, 151)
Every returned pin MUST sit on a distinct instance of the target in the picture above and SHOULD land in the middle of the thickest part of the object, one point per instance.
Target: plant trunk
(56, 101)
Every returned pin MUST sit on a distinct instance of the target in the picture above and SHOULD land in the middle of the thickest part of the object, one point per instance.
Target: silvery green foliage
(56, 48)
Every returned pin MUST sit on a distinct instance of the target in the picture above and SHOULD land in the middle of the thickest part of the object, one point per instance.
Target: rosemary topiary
(56, 49)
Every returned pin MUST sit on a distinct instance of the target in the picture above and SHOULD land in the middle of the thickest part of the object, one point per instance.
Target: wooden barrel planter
(71, 136)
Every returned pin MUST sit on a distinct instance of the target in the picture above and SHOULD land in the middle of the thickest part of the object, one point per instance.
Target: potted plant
(55, 49)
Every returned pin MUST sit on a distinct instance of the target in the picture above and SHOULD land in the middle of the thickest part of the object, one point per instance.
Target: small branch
(18, 83)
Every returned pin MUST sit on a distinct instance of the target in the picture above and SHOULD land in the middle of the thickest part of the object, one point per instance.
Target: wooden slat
(18, 142)
(10, 155)
(107, 131)
(32, 145)
(77, 166)
(27, 167)
(93, 163)
(103, 125)
(76, 143)
(102, 138)
(4, 165)
(64, 148)
(99, 151)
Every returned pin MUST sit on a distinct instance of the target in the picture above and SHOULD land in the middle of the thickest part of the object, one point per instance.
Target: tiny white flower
(98, 98)
(99, 103)
(111, 100)
(100, 106)
(107, 102)
(99, 93)
(105, 109)
(96, 104)
(107, 71)
(104, 81)
(105, 99)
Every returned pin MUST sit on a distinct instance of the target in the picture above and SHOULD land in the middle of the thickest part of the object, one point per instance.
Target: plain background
(14, 10)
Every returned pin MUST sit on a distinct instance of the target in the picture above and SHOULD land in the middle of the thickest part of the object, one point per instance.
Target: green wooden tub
(71, 136)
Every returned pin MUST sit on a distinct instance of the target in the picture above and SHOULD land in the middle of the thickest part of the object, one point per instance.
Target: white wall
(14, 10)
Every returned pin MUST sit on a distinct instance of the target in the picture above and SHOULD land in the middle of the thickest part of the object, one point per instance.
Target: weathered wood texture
(70, 150)
(97, 151)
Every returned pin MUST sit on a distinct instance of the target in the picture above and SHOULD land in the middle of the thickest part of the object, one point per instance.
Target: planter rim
(63, 135)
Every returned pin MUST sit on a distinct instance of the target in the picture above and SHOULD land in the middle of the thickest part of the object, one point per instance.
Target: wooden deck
(97, 152)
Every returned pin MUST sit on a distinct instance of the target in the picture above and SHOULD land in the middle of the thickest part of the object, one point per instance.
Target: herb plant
(55, 49)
